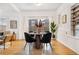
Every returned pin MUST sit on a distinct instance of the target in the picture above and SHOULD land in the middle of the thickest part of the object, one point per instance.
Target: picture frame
(13, 24)
(64, 19)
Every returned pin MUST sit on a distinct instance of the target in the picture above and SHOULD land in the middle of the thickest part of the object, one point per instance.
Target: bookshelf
(75, 18)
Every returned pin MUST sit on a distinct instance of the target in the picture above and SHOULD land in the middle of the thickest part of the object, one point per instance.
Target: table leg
(38, 43)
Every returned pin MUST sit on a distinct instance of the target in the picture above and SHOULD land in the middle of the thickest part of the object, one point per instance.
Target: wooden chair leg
(4, 46)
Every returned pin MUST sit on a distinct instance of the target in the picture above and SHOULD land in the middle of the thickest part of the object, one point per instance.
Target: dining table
(38, 37)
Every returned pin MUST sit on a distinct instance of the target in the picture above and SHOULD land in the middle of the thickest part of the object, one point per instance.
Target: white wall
(64, 33)
(37, 15)
(22, 19)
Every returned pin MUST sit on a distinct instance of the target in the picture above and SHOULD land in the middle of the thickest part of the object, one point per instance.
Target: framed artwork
(64, 19)
(13, 24)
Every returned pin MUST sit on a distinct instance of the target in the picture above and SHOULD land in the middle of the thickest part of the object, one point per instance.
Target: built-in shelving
(75, 18)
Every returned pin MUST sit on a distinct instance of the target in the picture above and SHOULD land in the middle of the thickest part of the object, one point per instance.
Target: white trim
(68, 46)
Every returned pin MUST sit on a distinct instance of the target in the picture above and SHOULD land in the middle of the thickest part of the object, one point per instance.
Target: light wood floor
(17, 49)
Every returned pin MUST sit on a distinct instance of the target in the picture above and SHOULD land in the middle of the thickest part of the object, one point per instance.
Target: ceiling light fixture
(38, 4)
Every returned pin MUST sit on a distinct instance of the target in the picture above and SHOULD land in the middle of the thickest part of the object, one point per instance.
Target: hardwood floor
(60, 49)
(17, 48)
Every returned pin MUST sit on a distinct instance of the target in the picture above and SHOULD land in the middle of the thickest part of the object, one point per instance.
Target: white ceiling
(20, 7)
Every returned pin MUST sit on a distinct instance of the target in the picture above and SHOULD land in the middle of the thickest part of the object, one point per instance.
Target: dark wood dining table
(38, 37)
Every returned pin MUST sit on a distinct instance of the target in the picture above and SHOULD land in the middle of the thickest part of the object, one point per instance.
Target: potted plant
(53, 28)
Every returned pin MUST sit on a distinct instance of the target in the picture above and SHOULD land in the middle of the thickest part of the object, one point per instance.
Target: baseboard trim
(68, 47)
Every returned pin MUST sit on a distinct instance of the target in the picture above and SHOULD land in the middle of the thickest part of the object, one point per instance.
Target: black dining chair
(1, 34)
(32, 35)
(47, 39)
(29, 40)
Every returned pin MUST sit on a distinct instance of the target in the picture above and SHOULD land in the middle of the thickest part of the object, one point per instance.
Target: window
(32, 25)
(32, 22)
(3, 24)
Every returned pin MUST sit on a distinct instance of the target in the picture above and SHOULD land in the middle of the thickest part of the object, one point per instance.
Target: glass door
(32, 27)
(43, 28)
